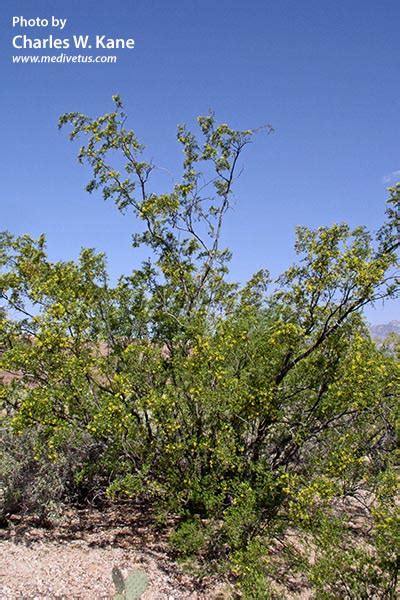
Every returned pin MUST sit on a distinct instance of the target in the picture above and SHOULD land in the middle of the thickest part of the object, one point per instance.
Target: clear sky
(324, 73)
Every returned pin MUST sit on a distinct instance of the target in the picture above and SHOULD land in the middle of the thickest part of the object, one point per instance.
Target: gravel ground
(75, 560)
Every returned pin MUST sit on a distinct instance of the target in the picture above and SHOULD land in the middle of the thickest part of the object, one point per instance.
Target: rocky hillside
(381, 331)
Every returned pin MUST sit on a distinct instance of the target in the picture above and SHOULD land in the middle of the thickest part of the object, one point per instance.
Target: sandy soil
(76, 558)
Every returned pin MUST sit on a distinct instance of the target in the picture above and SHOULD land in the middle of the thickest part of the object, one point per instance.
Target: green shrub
(251, 567)
(35, 483)
(189, 537)
(257, 411)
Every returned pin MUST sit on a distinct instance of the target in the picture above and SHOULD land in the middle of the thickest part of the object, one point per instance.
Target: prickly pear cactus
(135, 584)
(130, 588)
(118, 580)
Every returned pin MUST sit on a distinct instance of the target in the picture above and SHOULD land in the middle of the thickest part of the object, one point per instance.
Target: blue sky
(325, 74)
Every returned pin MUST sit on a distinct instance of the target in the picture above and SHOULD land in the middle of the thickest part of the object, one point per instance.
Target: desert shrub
(343, 569)
(189, 537)
(43, 484)
(251, 567)
(256, 411)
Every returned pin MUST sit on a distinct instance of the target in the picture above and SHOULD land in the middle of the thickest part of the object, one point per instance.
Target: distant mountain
(379, 332)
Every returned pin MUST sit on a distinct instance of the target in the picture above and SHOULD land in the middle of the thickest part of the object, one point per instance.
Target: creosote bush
(249, 413)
